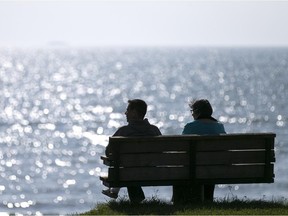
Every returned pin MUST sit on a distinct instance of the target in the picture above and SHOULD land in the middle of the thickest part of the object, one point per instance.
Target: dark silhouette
(137, 126)
(203, 124)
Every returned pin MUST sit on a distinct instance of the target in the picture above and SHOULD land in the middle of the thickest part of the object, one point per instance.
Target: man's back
(138, 128)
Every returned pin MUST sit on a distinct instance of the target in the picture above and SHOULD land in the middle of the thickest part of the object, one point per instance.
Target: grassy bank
(220, 207)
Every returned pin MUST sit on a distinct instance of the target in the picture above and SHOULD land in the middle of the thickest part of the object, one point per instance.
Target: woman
(203, 124)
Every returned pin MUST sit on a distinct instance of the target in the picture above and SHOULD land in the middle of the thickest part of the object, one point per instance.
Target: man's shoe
(110, 194)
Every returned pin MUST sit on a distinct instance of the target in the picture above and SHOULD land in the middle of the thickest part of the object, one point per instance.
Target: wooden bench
(186, 159)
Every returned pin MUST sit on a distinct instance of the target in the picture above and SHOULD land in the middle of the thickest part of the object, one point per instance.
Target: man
(137, 126)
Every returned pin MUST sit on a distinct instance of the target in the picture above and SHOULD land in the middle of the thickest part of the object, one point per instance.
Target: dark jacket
(137, 128)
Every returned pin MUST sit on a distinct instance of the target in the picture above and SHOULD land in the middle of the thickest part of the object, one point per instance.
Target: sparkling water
(58, 108)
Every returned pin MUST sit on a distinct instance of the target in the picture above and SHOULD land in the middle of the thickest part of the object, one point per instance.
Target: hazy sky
(156, 23)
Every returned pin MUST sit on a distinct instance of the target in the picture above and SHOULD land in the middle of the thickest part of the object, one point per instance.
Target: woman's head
(201, 109)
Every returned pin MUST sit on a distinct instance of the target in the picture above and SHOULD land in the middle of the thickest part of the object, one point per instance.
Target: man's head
(136, 110)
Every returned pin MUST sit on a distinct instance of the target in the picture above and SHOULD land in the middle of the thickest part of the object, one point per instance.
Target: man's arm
(117, 133)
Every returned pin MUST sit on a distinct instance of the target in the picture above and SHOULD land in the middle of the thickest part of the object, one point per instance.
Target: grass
(218, 207)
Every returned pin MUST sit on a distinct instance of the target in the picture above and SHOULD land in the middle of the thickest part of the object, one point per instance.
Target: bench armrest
(106, 160)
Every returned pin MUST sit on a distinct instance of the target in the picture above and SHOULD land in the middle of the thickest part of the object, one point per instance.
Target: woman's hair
(203, 108)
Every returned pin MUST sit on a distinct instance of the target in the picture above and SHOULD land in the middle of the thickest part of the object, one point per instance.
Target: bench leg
(202, 193)
(208, 192)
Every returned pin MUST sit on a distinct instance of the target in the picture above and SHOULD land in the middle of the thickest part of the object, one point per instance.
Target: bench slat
(108, 183)
(230, 144)
(233, 157)
(165, 182)
(152, 147)
(149, 173)
(154, 159)
(171, 143)
(184, 138)
(201, 145)
(237, 171)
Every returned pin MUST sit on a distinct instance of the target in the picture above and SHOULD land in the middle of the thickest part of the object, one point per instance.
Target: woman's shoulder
(195, 122)
(200, 123)
(192, 124)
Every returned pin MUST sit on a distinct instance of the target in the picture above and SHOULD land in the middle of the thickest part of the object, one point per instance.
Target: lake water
(59, 106)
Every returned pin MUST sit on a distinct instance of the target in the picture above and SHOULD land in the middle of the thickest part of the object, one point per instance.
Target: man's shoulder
(156, 130)
(154, 126)
(123, 127)
(121, 130)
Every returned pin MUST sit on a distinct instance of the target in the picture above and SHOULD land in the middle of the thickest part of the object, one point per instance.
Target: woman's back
(204, 127)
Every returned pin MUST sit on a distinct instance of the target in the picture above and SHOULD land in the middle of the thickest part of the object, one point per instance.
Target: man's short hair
(139, 106)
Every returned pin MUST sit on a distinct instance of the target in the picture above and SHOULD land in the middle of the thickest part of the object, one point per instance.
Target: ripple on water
(59, 107)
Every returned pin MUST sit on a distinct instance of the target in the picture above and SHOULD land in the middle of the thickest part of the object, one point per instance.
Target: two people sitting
(138, 125)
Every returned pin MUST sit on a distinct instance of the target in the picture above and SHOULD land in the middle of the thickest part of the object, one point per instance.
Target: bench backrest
(219, 159)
